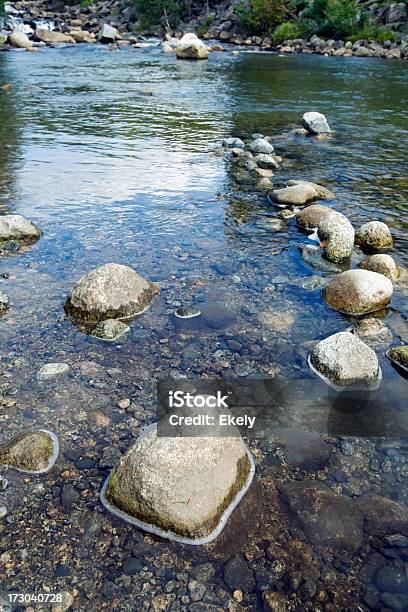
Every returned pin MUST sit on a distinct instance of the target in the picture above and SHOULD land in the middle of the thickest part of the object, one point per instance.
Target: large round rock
(374, 235)
(191, 47)
(383, 264)
(358, 292)
(179, 484)
(337, 236)
(311, 216)
(296, 195)
(111, 291)
(345, 360)
(16, 227)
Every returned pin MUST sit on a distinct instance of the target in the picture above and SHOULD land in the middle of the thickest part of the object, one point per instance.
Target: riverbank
(110, 24)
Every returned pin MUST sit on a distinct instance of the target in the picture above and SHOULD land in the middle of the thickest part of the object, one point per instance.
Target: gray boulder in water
(16, 227)
(180, 487)
(110, 291)
(337, 236)
(19, 40)
(345, 360)
(191, 47)
(358, 292)
(108, 34)
(315, 123)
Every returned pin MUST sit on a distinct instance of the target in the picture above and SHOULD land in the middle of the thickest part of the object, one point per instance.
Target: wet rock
(180, 484)
(392, 578)
(233, 142)
(108, 34)
(261, 146)
(274, 602)
(187, 312)
(383, 264)
(69, 496)
(327, 519)
(110, 291)
(3, 513)
(237, 575)
(197, 590)
(322, 192)
(383, 516)
(315, 123)
(358, 292)
(132, 566)
(65, 604)
(312, 215)
(400, 355)
(276, 320)
(52, 370)
(345, 360)
(297, 195)
(373, 332)
(4, 302)
(398, 540)
(266, 162)
(16, 227)
(19, 40)
(110, 330)
(312, 255)
(374, 235)
(191, 47)
(34, 452)
(82, 36)
(337, 236)
(52, 37)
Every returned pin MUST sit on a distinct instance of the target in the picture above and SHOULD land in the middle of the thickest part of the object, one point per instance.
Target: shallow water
(111, 173)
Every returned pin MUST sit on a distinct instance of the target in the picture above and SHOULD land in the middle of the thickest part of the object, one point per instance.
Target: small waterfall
(14, 20)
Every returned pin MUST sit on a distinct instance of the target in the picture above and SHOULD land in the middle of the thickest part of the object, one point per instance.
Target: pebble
(237, 574)
(398, 540)
(69, 496)
(196, 590)
(51, 370)
(187, 312)
(3, 512)
(124, 403)
(3, 483)
(347, 448)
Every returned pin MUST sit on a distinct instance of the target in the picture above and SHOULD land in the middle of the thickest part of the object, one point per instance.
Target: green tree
(262, 16)
(154, 12)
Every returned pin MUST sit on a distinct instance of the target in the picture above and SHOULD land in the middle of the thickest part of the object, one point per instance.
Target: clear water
(113, 174)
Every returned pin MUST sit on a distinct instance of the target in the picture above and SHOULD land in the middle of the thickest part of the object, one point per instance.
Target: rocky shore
(114, 22)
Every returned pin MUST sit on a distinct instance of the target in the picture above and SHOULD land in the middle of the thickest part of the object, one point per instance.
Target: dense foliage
(262, 16)
(1, 6)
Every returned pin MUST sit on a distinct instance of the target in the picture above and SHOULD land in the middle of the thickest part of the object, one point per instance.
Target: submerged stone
(187, 312)
(358, 292)
(52, 370)
(233, 142)
(345, 360)
(327, 519)
(34, 452)
(16, 227)
(110, 291)
(110, 330)
(373, 332)
(315, 123)
(181, 487)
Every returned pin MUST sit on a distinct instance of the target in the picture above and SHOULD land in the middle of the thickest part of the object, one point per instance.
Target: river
(113, 154)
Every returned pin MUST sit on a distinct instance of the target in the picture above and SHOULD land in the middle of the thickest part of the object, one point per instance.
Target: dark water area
(113, 155)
